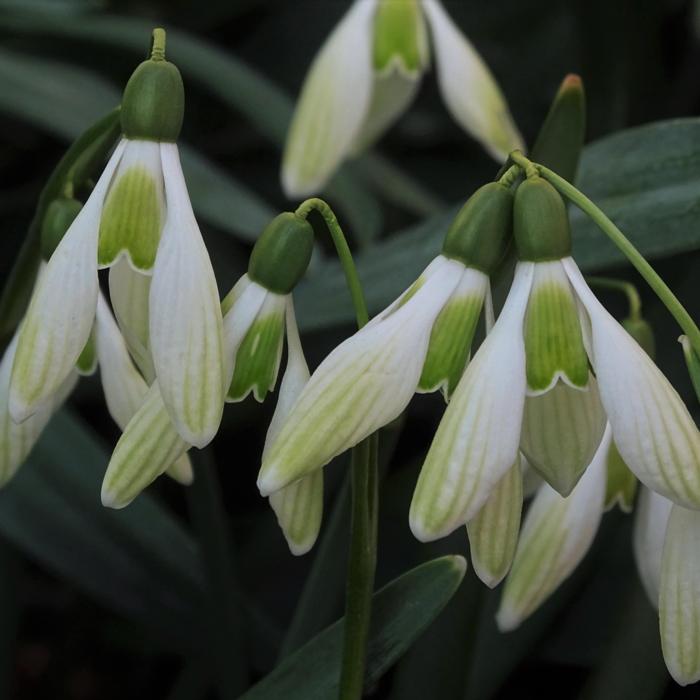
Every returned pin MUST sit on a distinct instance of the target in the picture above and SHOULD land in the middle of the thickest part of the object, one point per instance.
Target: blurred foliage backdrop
(103, 604)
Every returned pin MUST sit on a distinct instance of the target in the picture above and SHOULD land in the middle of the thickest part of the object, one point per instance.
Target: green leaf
(138, 561)
(29, 92)
(400, 612)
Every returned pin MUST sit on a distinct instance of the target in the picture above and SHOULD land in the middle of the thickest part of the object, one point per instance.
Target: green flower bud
(541, 222)
(481, 232)
(282, 253)
(642, 332)
(154, 98)
(59, 215)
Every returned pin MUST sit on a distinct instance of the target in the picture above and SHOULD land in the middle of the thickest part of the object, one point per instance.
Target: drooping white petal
(650, 523)
(468, 87)
(186, 329)
(556, 535)
(148, 447)
(679, 598)
(561, 432)
(362, 385)
(299, 506)
(333, 104)
(493, 533)
(124, 388)
(129, 291)
(477, 439)
(62, 310)
(531, 479)
(655, 434)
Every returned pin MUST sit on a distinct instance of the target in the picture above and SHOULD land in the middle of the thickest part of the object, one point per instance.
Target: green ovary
(553, 339)
(399, 33)
(257, 359)
(450, 343)
(131, 220)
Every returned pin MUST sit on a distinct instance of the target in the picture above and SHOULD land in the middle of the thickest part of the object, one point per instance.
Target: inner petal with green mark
(452, 335)
(553, 339)
(621, 485)
(133, 214)
(86, 363)
(258, 357)
(400, 36)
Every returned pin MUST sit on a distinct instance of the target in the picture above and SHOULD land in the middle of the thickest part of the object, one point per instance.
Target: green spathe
(399, 36)
(481, 231)
(59, 215)
(258, 358)
(553, 339)
(541, 222)
(131, 220)
(282, 253)
(154, 102)
(450, 343)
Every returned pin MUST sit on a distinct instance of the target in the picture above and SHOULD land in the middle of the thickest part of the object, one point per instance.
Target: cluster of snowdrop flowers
(366, 75)
(138, 221)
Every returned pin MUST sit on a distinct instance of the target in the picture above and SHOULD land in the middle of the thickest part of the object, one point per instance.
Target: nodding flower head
(366, 75)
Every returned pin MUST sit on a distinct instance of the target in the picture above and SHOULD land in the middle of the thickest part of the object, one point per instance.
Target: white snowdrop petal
(557, 532)
(654, 433)
(186, 329)
(679, 598)
(333, 104)
(477, 440)
(62, 309)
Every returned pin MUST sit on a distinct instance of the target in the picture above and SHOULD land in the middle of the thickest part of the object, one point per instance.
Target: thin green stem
(661, 289)
(158, 45)
(626, 288)
(363, 528)
(510, 175)
(529, 168)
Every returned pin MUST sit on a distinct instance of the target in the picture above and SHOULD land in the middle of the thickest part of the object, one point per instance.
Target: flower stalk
(363, 526)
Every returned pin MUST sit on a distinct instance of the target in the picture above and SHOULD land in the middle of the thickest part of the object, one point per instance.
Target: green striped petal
(493, 533)
(133, 212)
(679, 599)
(650, 520)
(621, 485)
(553, 336)
(557, 533)
(181, 470)
(258, 356)
(452, 334)
(561, 432)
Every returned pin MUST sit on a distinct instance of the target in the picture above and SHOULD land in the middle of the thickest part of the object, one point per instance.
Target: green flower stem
(626, 288)
(363, 528)
(77, 165)
(158, 45)
(222, 612)
(660, 288)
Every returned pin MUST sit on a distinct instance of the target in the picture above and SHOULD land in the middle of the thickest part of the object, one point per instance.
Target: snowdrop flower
(254, 315)
(139, 212)
(556, 535)
(532, 377)
(419, 343)
(366, 75)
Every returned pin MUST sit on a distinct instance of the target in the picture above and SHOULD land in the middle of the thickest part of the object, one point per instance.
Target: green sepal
(399, 36)
(621, 483)
(60, 214)
(153, 105)
(131, 220)
(258, 357)
(541, 222)
(450, 344)
(643, 333)
(560, 140)
(86, 364)
(282, 253)
(553, 339)
(480, 234)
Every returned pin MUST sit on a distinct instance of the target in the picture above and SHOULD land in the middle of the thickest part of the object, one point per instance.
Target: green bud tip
(541, 222)
(153, 105)
(282, 253)
(481, 231)
(59, 215)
